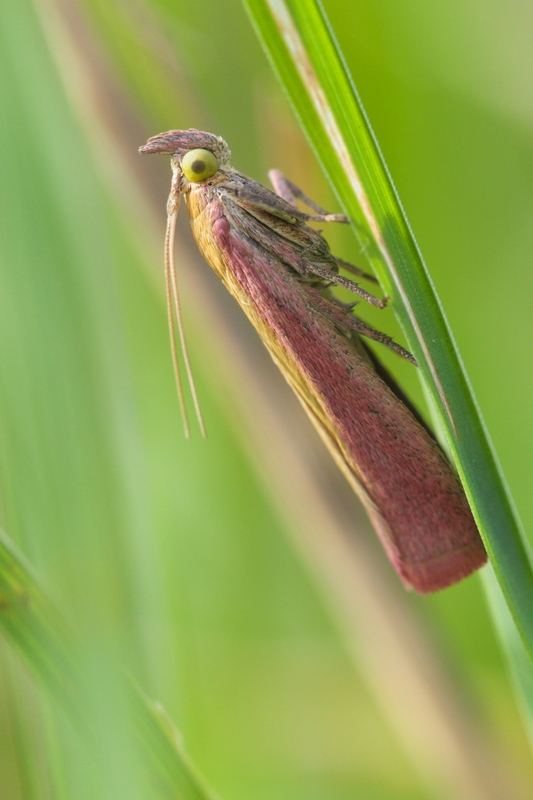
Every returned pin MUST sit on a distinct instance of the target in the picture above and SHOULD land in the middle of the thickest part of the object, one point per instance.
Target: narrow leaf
(302, 49)
(32, 624)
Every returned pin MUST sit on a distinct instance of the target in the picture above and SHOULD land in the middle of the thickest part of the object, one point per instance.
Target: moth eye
(198, 165)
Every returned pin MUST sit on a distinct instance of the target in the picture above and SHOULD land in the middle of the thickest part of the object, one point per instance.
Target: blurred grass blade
(32, 624)
(300, 44)
(520, 667)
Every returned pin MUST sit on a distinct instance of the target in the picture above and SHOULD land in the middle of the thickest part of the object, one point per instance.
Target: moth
(281, 270)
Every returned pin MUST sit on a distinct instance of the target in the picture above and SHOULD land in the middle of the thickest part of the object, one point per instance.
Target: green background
(196, 565)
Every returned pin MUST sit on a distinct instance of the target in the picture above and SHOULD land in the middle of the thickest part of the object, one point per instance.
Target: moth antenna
(173, 306)
(169, 258)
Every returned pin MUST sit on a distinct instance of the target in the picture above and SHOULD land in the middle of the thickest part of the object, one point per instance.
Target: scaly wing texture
(408, 488)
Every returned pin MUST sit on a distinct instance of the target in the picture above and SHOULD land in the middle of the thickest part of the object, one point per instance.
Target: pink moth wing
(409, 490)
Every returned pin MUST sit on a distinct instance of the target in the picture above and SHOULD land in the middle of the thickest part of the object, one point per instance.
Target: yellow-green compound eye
(197, 165)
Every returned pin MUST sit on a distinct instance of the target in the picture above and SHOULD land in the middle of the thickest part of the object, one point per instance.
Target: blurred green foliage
(170, 558)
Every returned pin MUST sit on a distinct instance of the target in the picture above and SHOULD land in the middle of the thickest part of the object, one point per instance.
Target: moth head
(199, 154)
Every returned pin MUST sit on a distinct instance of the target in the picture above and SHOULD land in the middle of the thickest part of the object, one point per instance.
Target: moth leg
(339, 303)
(364, 329)
(340, 280)
(254, 196)
(355, 270)
(289, 192)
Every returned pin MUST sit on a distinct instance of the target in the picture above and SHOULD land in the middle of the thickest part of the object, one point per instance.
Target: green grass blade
(30, 621)
(307, 60)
